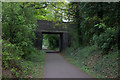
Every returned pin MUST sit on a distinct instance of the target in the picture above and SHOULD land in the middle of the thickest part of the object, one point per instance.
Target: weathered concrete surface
(57, 67)
(50, 27)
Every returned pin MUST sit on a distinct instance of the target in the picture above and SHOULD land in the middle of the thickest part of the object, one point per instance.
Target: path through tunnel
(47, 27)
(52, 42)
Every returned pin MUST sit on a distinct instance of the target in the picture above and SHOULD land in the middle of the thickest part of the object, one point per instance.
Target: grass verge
(90, 60)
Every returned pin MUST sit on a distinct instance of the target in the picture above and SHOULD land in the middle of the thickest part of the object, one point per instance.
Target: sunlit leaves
(19, 25)
(101, 25)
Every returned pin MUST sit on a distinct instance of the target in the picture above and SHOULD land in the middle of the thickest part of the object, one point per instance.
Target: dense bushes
(18, 33)
(16, 65)
(11, 58)
(106, 41)
(94, 38)
(19, 25)
(93, 25)
(11, 52)
(90, 60)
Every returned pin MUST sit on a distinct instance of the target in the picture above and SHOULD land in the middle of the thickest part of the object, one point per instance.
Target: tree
(95, 19)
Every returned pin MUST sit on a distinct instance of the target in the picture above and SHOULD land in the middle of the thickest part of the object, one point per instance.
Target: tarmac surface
(57, 67)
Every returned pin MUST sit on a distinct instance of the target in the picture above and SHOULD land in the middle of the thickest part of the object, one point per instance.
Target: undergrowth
(34, 64)
(90, 60)
(15, 66)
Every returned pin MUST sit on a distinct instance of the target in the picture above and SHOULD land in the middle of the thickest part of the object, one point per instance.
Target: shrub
(106, 41)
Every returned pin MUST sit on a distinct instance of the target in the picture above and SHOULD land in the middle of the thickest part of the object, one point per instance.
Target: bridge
(50, 27)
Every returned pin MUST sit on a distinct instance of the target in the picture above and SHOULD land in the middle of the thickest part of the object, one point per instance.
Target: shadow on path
(57, 67)
(50, 51)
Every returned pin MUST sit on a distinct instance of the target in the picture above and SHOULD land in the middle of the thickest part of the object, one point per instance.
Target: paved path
(57, 67)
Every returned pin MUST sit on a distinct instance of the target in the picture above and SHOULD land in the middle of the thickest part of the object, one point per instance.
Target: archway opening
(52, 42)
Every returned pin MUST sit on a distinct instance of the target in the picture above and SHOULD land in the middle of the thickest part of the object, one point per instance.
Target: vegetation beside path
(90, 60)
(20, 58)
(22, 68)
(94, 41)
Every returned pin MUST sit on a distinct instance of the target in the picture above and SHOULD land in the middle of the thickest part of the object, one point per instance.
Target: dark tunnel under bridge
(48, 27)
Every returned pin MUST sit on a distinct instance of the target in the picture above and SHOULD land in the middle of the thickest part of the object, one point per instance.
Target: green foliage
(52, 40)
(101, 25)
(38, 57)
(33, 66)
(18, 33)
(51, 11)
(19, 22)
(11, 53)
(94, 38)
(106, 40)
(93, 24)
(18, 27)
(90, 60)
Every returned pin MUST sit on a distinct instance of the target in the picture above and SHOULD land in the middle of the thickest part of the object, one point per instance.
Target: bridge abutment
(47, 27)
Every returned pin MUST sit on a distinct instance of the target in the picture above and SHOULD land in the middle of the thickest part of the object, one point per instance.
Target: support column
(64, 41)
(61, 42)
(38, 42)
